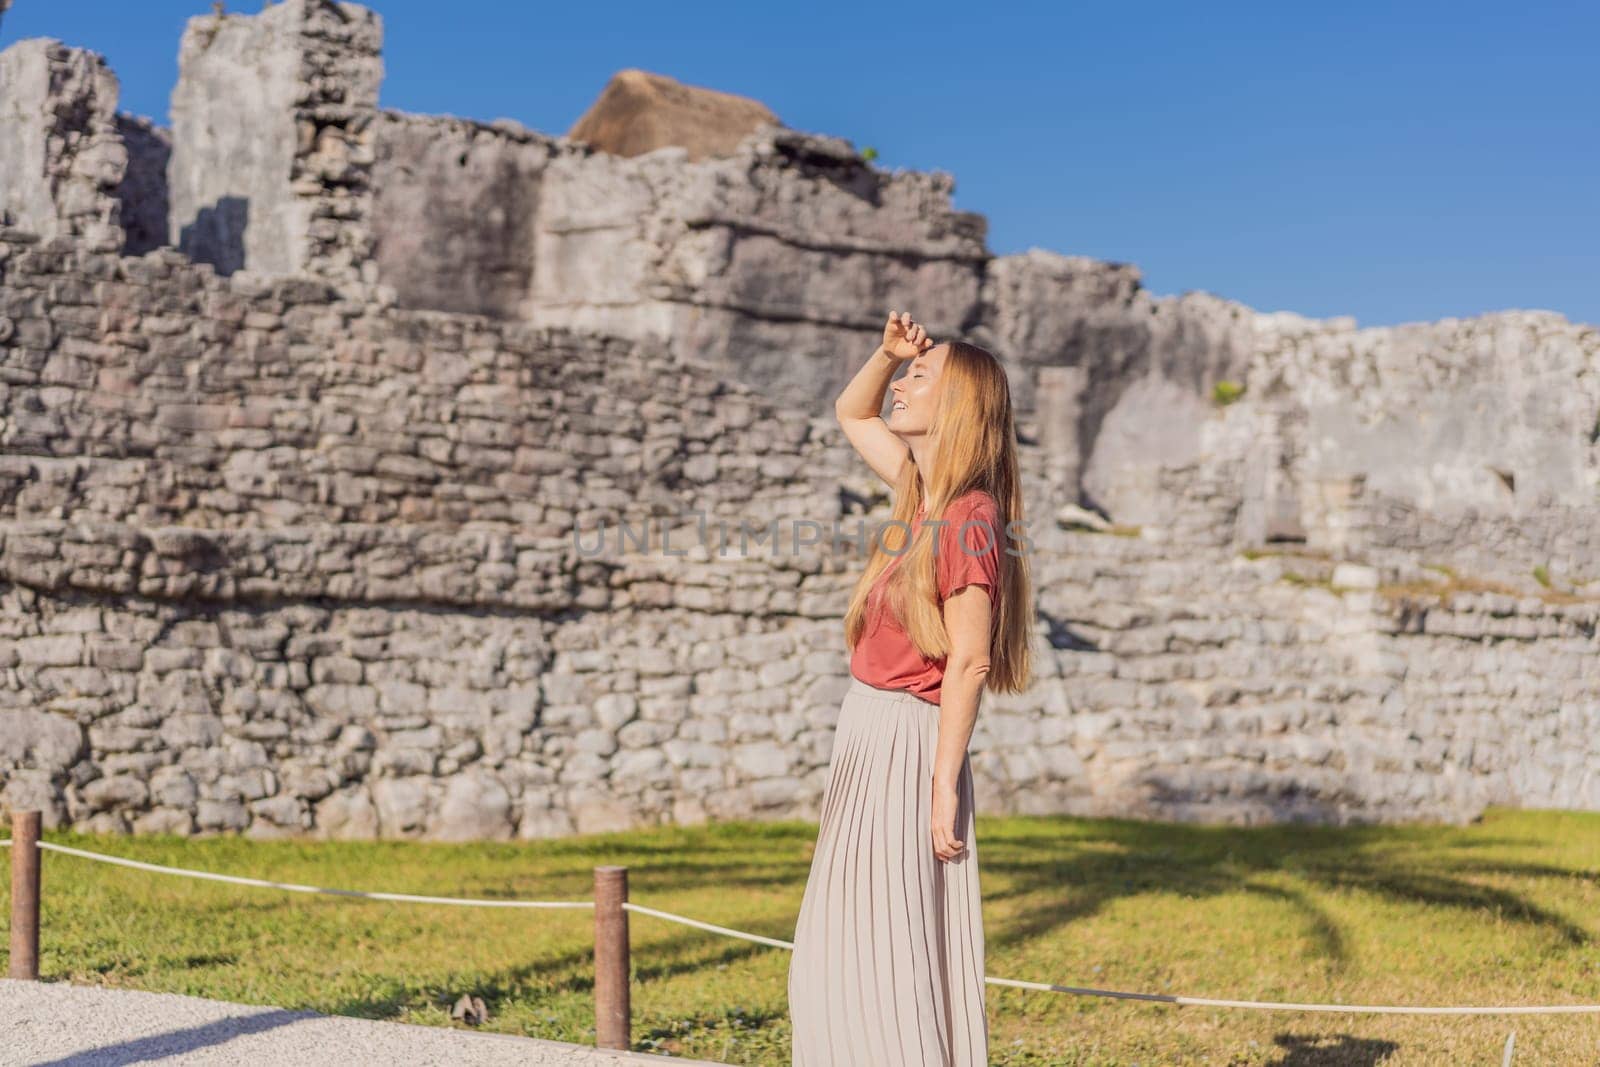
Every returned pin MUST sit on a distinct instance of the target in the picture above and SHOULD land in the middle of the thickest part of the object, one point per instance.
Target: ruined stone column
(61, 158)
(272, 154)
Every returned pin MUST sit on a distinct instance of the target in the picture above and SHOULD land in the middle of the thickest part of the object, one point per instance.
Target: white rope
(1163, 998)
(1166, 998)
(264, 884)
(774, 942)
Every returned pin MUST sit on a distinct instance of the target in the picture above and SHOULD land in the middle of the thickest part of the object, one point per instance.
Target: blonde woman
(888, 961)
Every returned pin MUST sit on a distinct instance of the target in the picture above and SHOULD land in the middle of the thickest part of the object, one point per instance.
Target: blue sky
(1393, 162)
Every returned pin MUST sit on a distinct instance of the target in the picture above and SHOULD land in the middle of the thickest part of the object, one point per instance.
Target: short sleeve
(970, 547)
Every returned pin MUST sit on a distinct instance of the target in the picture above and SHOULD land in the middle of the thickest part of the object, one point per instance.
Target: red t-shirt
(971, 547)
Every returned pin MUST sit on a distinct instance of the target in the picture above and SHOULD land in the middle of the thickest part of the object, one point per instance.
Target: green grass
(1506, 911)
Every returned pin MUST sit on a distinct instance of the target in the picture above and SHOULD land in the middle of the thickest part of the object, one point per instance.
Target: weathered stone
(600, 814)
(61, 156)
(220, 815)
(119, 791)
(173, 787)
(27, 790)
(36, 740)
(763, 759)
(476, 806)
(164, 821)
(402, 805)
(347, 815)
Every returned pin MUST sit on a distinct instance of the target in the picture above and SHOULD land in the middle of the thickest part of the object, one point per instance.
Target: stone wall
(309, 521)
(775, 263)
(281, 562)
(149, 390)
(1471, 443)
(272, 142)
(61, 159)
(456, 212)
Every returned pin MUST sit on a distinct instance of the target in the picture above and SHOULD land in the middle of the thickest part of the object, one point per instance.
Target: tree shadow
(566, 973)
(1332, 1050)
(1059, 869)
(1115, 858)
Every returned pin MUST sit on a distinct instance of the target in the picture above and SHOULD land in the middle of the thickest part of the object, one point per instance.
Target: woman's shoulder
(974, 503)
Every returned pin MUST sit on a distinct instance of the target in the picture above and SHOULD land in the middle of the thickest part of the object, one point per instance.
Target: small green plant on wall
(1541, 574)
(1226, 391)
(869, 153)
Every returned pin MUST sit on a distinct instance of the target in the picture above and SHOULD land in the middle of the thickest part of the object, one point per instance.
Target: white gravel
(54, 1024)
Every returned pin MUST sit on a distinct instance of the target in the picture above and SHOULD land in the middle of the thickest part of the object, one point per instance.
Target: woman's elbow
(972, 668)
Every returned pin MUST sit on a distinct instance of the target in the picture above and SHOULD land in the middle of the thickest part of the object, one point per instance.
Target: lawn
(1505, 911)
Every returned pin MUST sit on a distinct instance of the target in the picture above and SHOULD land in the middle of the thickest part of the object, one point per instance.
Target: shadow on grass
(1060, 869)
(1332, 1050)
(1097, 861)
(566, 974)
(1073, 874)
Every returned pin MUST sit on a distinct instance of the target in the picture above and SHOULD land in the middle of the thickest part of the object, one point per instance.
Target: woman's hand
(945, 806)
(903, 338)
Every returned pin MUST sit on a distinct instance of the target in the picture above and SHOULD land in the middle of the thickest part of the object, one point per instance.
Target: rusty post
(613, 1026)
(25, 895)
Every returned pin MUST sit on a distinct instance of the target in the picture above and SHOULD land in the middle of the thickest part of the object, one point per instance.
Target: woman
(888, 959)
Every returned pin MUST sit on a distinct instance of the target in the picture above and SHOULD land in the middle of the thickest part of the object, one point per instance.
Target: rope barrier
(667, 915)
(1163, 998)
(264, 884)
(1278, 1005)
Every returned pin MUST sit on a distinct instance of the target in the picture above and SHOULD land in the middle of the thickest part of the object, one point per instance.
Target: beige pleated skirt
(887, 969)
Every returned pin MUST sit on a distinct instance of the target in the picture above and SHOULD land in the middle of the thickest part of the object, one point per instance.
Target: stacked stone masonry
(314, 460)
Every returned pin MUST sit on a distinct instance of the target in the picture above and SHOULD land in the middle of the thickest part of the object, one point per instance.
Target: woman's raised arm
(859, 408)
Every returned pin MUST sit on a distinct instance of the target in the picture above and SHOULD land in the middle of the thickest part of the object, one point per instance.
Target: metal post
(25, 895)
(612, 1011)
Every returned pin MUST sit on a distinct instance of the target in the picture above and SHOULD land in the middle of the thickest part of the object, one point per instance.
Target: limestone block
(539, 822)
(221, 815)
(39, 741)
(348, 814)
(402, 805)
(34, 790)
(763, 759)
(648, 766)
(164, 821)
(599, 813)
(476, 806)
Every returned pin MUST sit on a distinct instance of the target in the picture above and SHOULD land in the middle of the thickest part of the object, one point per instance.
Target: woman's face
(916, 394)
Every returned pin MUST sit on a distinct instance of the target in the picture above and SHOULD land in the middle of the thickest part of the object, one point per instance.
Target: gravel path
(54, 1024)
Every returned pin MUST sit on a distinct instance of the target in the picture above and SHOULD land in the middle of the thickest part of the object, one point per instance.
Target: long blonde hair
(974, 447)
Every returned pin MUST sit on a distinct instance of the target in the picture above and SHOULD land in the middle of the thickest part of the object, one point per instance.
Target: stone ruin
(311, 411)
